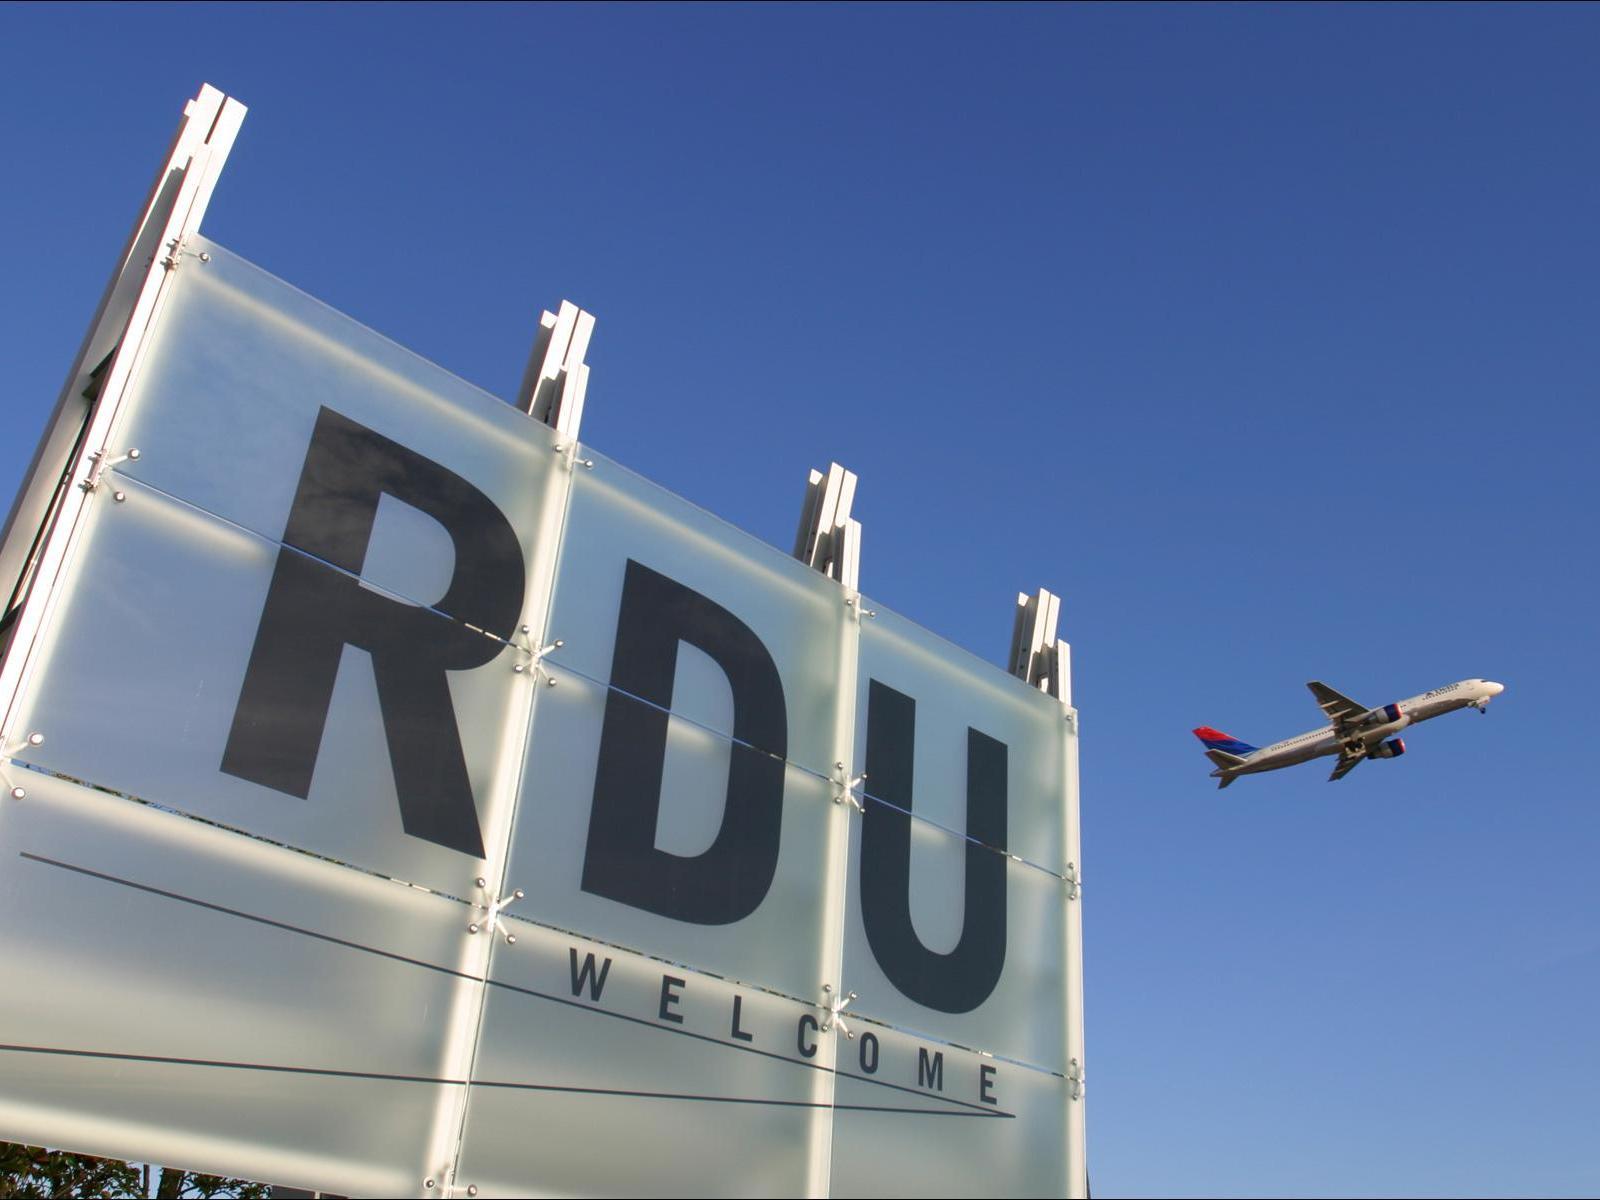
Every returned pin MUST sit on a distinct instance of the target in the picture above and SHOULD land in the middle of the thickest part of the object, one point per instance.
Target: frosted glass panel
(919, 960)
(602, 1073)
(143, 667)
(694, 881)
(246, 375)
(916, 1118)
(953, 691)
(176, 993)
(697, 577)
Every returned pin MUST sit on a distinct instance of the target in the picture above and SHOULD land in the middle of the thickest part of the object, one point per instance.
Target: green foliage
(31, 1171)
(34, 1173)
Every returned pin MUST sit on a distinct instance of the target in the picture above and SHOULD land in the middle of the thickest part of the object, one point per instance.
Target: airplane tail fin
(1215, 739)
(1227, 753)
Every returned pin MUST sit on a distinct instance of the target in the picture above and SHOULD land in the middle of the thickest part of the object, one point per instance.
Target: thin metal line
(783, 1058)
(236, 1066)
(234, 912)
(168, 1060)
(511, 987)
(649, 1024)
(900, 1087)
(592, 1091)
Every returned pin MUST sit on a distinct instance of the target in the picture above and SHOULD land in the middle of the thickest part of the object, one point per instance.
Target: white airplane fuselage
(1367, 737)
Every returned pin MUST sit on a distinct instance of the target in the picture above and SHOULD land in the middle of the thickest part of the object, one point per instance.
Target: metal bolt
(428, 1183)
(134, 453)
(36, 739)
(518, 669)
(119, 497)
(481, 881)
(519, 893)
(204, 257)
(551, 682)
(18, 794)
(511, 939)
(472, 1189)
(526, 629)
(473, 928)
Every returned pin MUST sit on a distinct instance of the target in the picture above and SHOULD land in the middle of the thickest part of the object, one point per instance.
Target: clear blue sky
(1266, 336)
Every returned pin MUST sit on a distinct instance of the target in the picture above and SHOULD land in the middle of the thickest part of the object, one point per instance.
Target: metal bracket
(845, 788)
(175, 253)
(99, 463)
(7, 754)
(854, 601)
(836, 1007)
(534, 664)
(1037, 655)
(556, 381)
(492, 909)
(1075, 1078)
(1070, 880)
(569, 453)
(33, 739)
(827, 539)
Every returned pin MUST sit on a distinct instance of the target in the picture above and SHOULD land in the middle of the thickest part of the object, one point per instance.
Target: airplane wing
(1346, 765)
(1340, 708)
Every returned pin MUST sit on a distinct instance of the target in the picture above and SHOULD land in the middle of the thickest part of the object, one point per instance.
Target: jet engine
(1393, 748)
(1384, 717)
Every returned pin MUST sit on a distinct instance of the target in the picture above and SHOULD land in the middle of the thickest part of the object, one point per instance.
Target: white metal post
(1078, 1180)
(106, 330)
(829, 541)
(126, 318)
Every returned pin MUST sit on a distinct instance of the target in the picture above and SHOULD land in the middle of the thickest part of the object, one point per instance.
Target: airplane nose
(1494, 688)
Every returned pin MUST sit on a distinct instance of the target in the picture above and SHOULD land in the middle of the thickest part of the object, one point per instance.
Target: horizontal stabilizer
(1226, 780)
(1224, 760)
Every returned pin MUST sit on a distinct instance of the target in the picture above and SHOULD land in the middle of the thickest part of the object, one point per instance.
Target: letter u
(961, 980)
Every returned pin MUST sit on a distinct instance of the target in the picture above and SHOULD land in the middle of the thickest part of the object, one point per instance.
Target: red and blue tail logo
(1215, 739)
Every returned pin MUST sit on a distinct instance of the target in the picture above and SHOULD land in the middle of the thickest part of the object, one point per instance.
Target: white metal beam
(556, 380)
(43, 524)
(827, 538)
(1036, 654)
(38, 495)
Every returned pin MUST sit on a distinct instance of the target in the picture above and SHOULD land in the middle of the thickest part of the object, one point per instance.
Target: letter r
(313, 611)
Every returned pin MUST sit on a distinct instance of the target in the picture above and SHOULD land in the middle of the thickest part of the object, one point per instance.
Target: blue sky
(1265, 336)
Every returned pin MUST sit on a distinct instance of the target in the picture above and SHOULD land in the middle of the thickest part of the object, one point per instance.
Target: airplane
(1354, 731)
